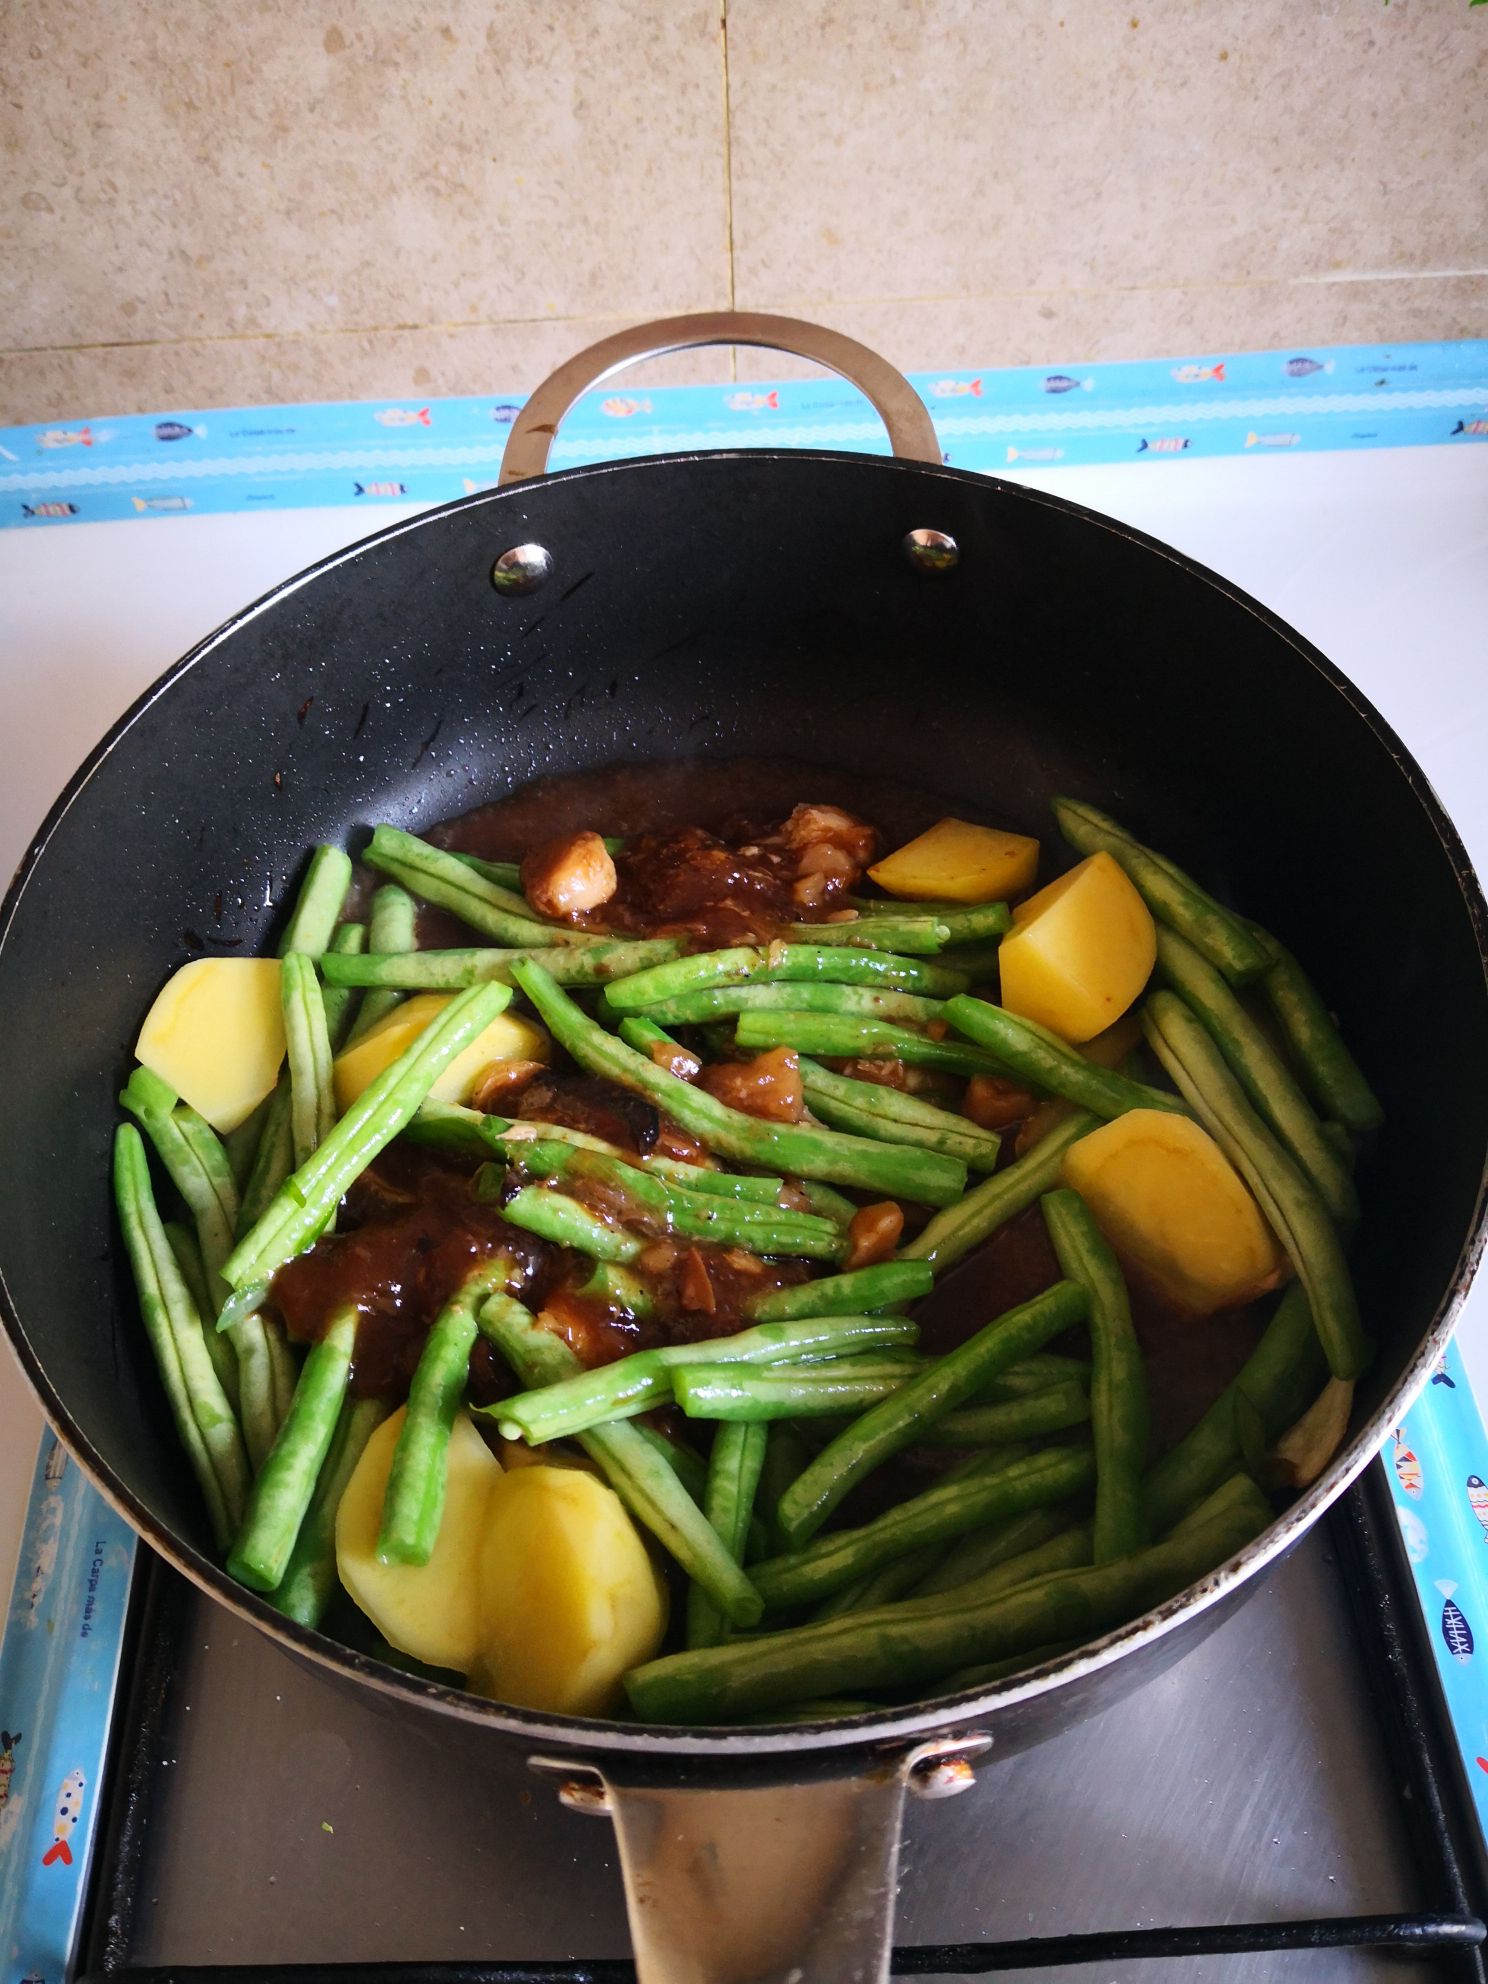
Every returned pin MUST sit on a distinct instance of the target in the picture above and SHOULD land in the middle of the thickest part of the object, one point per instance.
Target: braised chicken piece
(564, 877)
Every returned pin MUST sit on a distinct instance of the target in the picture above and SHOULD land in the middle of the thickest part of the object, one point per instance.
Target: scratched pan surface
(718, 605)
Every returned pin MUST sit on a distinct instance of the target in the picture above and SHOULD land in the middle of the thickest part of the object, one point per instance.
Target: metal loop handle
(910, 428)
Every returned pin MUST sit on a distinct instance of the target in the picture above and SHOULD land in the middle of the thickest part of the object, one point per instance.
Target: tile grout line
(728, 174)
(795, 303)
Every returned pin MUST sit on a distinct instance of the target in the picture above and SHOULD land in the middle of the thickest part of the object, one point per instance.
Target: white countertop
(1380, 558)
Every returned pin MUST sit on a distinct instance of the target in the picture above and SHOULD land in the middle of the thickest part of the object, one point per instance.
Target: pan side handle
(902, 411)
(762, 1880)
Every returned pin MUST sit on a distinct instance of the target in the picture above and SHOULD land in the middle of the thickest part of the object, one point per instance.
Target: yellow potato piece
(569, 1596)
(958, 862)
(429, 1610)
(509, 1037)
(1174, 1209)
(1079, 951)
(216, 1035)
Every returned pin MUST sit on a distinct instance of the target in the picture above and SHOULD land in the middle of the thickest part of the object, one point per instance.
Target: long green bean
(971, 1558)
(1173, 897)
(868, 1650)
(948, 1382)
(839, 1035)
(857, 1292)
(1294, 1210)
(451, 971)
(821, 996)
(413, 1503)
(644, 1480)
(1052, 1410)
(728, 1503)
(203, 1415)
(272, 1161)
(643, 1380)
(828, 1097)
(443, 879)
(198, 1167)
(1329, 1069)
(1118, 1386)
(554, 1216)
(937, 1514)
(340, 1001)
(952, 1234)
(311, 1193)
(810, 1153)
(312, 1107)
(310, 1582)
(392, 925)
(966, 922)
(739, 1393)
(281, 1494)
(313, 919)
(747, 964)
(1041, 1058)
(914, 936)
(1277, 1382)
(183, 1244)
(657, 1203)
(1261, 1072)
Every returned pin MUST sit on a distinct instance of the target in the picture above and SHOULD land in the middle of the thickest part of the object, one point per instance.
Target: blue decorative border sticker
(210, 461)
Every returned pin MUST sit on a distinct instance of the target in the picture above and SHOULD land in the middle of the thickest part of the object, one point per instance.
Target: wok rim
(576, 1736)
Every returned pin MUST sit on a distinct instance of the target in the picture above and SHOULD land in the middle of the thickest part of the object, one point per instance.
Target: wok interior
(723, 606)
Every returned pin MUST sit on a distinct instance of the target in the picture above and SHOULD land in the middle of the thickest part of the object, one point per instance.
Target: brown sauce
(412, 1227)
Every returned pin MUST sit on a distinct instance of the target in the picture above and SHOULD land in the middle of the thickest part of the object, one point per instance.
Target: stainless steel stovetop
(281, 1818)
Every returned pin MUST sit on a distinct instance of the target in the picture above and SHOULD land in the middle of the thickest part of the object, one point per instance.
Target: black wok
(770, 604)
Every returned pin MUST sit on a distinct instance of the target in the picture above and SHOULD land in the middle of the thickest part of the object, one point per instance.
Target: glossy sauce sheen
(413, 1227)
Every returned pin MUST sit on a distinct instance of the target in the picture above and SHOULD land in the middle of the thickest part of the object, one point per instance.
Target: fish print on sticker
(753, 402)
(142, 503)
(1272, 440)
(622, 409)
(1198, 375)
(1061, 382)
(69, 1810)
(402, 416)
(1471, 427)
(175, 430)
(66, 437)
(380, 488)
(1170, 444)
(1035, 454)
(1303, 368)
(1455, 1630)
(49, 509)
(1440, 1375)
(1407, 1467)
(506, 413)
(955, 389)
(7, 1761)
(1477, 1500)
(1413, 1535)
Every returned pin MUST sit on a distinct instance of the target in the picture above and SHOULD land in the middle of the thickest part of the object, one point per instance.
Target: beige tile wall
(210, 201)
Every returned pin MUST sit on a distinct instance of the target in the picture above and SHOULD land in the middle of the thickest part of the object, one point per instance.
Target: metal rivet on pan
(931, 550)
(522, 569)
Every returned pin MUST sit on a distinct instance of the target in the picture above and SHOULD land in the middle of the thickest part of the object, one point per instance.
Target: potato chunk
(958, 862)
(1174, 1209)
(509, 1037)
(429, 1610)
(569, 1597)
(216, 1034)
(1079, 951)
